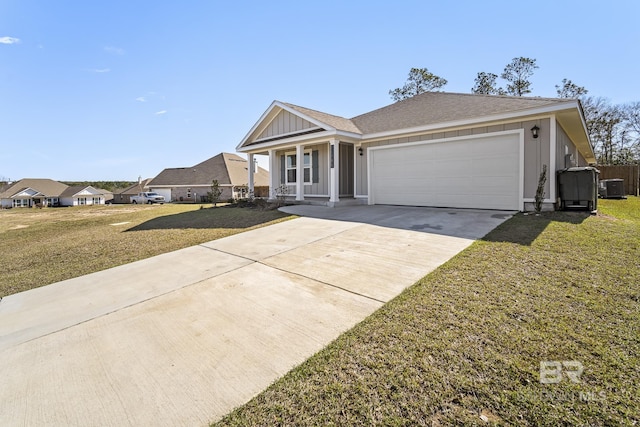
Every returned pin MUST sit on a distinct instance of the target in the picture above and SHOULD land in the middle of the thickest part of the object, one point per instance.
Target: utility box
(578, 188)
(611, 189)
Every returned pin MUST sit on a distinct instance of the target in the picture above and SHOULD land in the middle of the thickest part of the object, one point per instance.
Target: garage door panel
(451, 167)
(471, 173)
(490, 169)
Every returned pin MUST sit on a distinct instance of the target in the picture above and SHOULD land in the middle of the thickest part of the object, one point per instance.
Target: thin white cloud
(141, 99)
(161, 112)
(114, 50)
(9, 40)
(101, 70)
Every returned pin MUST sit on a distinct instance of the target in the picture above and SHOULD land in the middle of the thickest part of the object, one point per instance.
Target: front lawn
(42, 246)
(464, 345)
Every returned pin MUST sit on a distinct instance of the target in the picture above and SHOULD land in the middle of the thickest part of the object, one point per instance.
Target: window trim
(309, 166)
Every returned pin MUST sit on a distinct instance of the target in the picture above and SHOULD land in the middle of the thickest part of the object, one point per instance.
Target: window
(291, 166)
(96, 200)
(82, 201)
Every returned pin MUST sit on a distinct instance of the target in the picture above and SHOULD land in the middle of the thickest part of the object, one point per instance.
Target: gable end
(285, 124)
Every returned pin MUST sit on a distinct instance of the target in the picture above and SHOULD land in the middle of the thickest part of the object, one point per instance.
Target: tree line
(614, 129)
(110, 186)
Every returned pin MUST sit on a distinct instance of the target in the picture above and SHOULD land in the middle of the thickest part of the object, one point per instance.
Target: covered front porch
(313, 157)
(318, 172)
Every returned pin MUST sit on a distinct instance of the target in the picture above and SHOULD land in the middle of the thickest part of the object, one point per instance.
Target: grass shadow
(523, 229)
(220, 217)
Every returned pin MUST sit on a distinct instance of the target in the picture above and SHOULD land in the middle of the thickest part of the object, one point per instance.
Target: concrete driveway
(184, 337)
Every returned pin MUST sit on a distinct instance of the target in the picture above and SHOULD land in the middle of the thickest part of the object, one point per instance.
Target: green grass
(43, 246)
(463, 346)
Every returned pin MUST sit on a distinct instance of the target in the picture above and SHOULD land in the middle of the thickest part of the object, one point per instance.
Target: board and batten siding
(285, 123)
(320, 188)
(536, 151)
(565, 146)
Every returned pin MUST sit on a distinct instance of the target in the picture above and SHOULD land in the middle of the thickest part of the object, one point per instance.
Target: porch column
(274, 175)
(251, 168)
(299, 172)
(334, 163)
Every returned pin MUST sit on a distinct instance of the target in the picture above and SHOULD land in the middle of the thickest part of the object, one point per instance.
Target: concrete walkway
(184, 337)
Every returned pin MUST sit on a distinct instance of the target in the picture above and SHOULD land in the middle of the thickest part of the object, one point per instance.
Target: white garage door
(482, 172)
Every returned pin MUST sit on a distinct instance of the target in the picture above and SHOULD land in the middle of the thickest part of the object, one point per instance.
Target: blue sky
(113, 90)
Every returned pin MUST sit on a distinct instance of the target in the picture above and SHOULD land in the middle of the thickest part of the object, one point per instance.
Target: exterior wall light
(360, 150)
(534, 131)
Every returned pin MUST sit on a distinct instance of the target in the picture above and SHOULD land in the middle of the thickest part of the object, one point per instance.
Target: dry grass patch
(43, 246)
(463, 346)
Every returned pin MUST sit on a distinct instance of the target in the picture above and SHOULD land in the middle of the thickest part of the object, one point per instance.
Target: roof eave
(548, 109)
(297, 140)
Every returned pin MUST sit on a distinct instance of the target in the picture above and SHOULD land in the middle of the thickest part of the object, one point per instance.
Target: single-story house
(80, 195)
(124, 195)
(434, 149)
(192, 184)
(30, 192)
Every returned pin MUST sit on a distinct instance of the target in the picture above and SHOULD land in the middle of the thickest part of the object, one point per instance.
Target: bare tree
(606, 127)
(632, 137)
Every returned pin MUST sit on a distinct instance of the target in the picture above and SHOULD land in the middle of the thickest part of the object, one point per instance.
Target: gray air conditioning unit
(611, 189)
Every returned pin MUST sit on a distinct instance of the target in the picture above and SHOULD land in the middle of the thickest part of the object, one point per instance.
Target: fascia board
(286, 142)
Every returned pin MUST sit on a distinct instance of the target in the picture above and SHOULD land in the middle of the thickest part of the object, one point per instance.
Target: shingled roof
(427, 110)
(443, 107)
(336, 122)
(136, 188)
(226, 168)
(75, 189)
(46, 187)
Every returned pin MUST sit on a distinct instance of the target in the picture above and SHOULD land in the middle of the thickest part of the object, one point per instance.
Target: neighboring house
(435, 149)
(124, 196)
(31, 192)
(192, 184)
(80, 195)
(108, 195)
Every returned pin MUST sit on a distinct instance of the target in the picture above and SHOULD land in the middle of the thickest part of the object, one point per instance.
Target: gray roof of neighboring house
(75, 189)
(47, 187)
(226, 168)
(136, 188)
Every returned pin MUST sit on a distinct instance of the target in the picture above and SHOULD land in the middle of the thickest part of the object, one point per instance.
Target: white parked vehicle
(148, 197)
